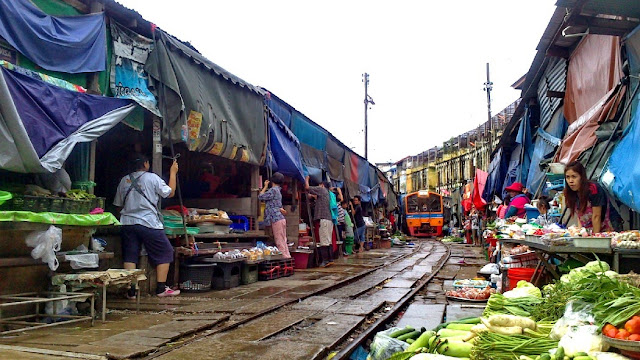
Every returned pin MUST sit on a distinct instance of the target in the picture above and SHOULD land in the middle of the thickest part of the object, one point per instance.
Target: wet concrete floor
(309, 325)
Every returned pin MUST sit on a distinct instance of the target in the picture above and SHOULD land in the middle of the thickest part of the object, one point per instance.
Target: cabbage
(523, 289)
(597, 266)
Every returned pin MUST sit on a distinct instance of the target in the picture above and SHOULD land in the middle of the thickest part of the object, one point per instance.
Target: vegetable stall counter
(546, 253)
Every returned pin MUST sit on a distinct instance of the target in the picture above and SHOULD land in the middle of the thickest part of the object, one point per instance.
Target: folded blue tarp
(284, 149)
(41, 123)
(71, 44)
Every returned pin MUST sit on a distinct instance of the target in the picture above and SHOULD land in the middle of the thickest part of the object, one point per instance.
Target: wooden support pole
(156, 158)
(255, 188)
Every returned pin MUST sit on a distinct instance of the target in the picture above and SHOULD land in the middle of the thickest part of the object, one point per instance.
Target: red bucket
(517, 274)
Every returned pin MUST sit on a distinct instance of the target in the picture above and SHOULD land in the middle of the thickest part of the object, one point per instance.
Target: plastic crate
(240, 223)
(287, 266)
(196, 277)
(36, 203)
(56, 205)
(269, 270)
(98, 202)
(249, 274)
(72, 206)
(226, 275)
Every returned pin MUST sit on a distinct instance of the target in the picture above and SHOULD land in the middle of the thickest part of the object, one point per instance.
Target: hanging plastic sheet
(128, 78)
(351, 161)
(280, 108)
(622, 176)
(479, 182)
(313, 157)
(595, 68)
(308, 132)
(497, 172)
(335, 169)
(204, 105)
(71, 44)
(315, 174)
(530, 119)
(514, 168)
(40, 123)
(578, 139)
(547, 141)
(335, 149)
(284, 149)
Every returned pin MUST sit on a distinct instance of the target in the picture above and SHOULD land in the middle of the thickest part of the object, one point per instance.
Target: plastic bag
(490, 268)
(98, 244)
(82, 261)
(45, 244)
(383, 346)
(576, 315)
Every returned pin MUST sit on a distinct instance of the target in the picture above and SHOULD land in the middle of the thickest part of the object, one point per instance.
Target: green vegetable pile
(490, 346)
(452, 239)
(77, 194)
(613, 301)
(522, 306)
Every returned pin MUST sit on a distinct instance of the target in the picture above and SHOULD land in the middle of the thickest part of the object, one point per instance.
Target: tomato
(635, 317)
(611, 332)
(634, 337)
(633, 326)
(622, 334)
(609, 327)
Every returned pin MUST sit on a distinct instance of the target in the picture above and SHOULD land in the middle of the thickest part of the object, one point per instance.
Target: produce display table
(111, 277)
(619, 254)
(59, 218)
(29, 261)
(253, 235)
(546, 253)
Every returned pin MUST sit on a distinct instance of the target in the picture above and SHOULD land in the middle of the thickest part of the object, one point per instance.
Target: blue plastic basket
(240, 223)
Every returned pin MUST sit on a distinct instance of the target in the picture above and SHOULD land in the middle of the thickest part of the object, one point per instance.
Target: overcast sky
(426, 59)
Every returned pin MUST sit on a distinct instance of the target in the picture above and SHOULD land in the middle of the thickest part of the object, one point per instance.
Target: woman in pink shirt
(518, 201)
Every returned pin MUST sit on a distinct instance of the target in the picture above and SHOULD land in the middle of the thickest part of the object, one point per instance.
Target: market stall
(590, 314)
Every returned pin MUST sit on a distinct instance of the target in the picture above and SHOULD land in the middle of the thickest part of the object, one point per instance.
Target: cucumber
(581, 353)
(465, 327)
(582, 357)
(450, 332)
(410, 341)
(559, 353)
(545, 357)
(411, 335)
(400, 332)
(422, 341)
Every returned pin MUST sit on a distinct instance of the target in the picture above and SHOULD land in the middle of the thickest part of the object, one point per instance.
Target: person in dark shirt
(322, 216)
(356, 211)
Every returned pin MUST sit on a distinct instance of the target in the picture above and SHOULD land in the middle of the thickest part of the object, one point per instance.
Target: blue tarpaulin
(283, 151)
(41, 123)
(280, 108)
(497, 172)
(547, 141)
(624, 166)
(308, 132)
(70, 44)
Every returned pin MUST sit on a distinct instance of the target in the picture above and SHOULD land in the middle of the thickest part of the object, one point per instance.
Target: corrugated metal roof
(627, 8)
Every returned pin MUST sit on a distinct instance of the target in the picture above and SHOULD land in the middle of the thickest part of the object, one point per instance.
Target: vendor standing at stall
(273, 215)
(322, 216)
(139, 195)
(518, 201)
(589, 201)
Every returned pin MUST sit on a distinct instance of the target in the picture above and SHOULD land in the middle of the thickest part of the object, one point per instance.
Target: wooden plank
(52, 352)
(78, 5)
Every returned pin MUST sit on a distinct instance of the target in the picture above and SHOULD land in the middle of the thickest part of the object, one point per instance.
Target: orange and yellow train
(423, 213)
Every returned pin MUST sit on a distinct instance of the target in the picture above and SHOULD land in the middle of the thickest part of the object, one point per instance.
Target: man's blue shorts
(155, 242)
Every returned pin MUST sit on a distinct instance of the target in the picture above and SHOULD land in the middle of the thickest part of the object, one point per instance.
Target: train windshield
(417, 203)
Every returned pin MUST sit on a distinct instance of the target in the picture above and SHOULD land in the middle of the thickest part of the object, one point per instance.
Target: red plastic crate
(269, 270)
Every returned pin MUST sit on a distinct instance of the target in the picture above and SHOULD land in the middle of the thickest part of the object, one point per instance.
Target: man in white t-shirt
(139, 195)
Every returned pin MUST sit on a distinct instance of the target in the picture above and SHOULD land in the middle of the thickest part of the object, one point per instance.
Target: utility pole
(488, 86)
(367, 100)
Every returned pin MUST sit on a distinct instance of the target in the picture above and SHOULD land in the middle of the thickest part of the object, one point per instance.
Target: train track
(229, 327)
(390, 316)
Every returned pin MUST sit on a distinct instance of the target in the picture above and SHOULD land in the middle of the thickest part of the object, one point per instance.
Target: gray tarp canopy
(232, 110)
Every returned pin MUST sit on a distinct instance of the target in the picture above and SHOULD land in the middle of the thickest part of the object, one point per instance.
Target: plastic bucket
(301, 259)
(517, 274)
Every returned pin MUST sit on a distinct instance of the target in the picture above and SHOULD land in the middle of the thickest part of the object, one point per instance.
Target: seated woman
(518, 201)
(589, 201)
